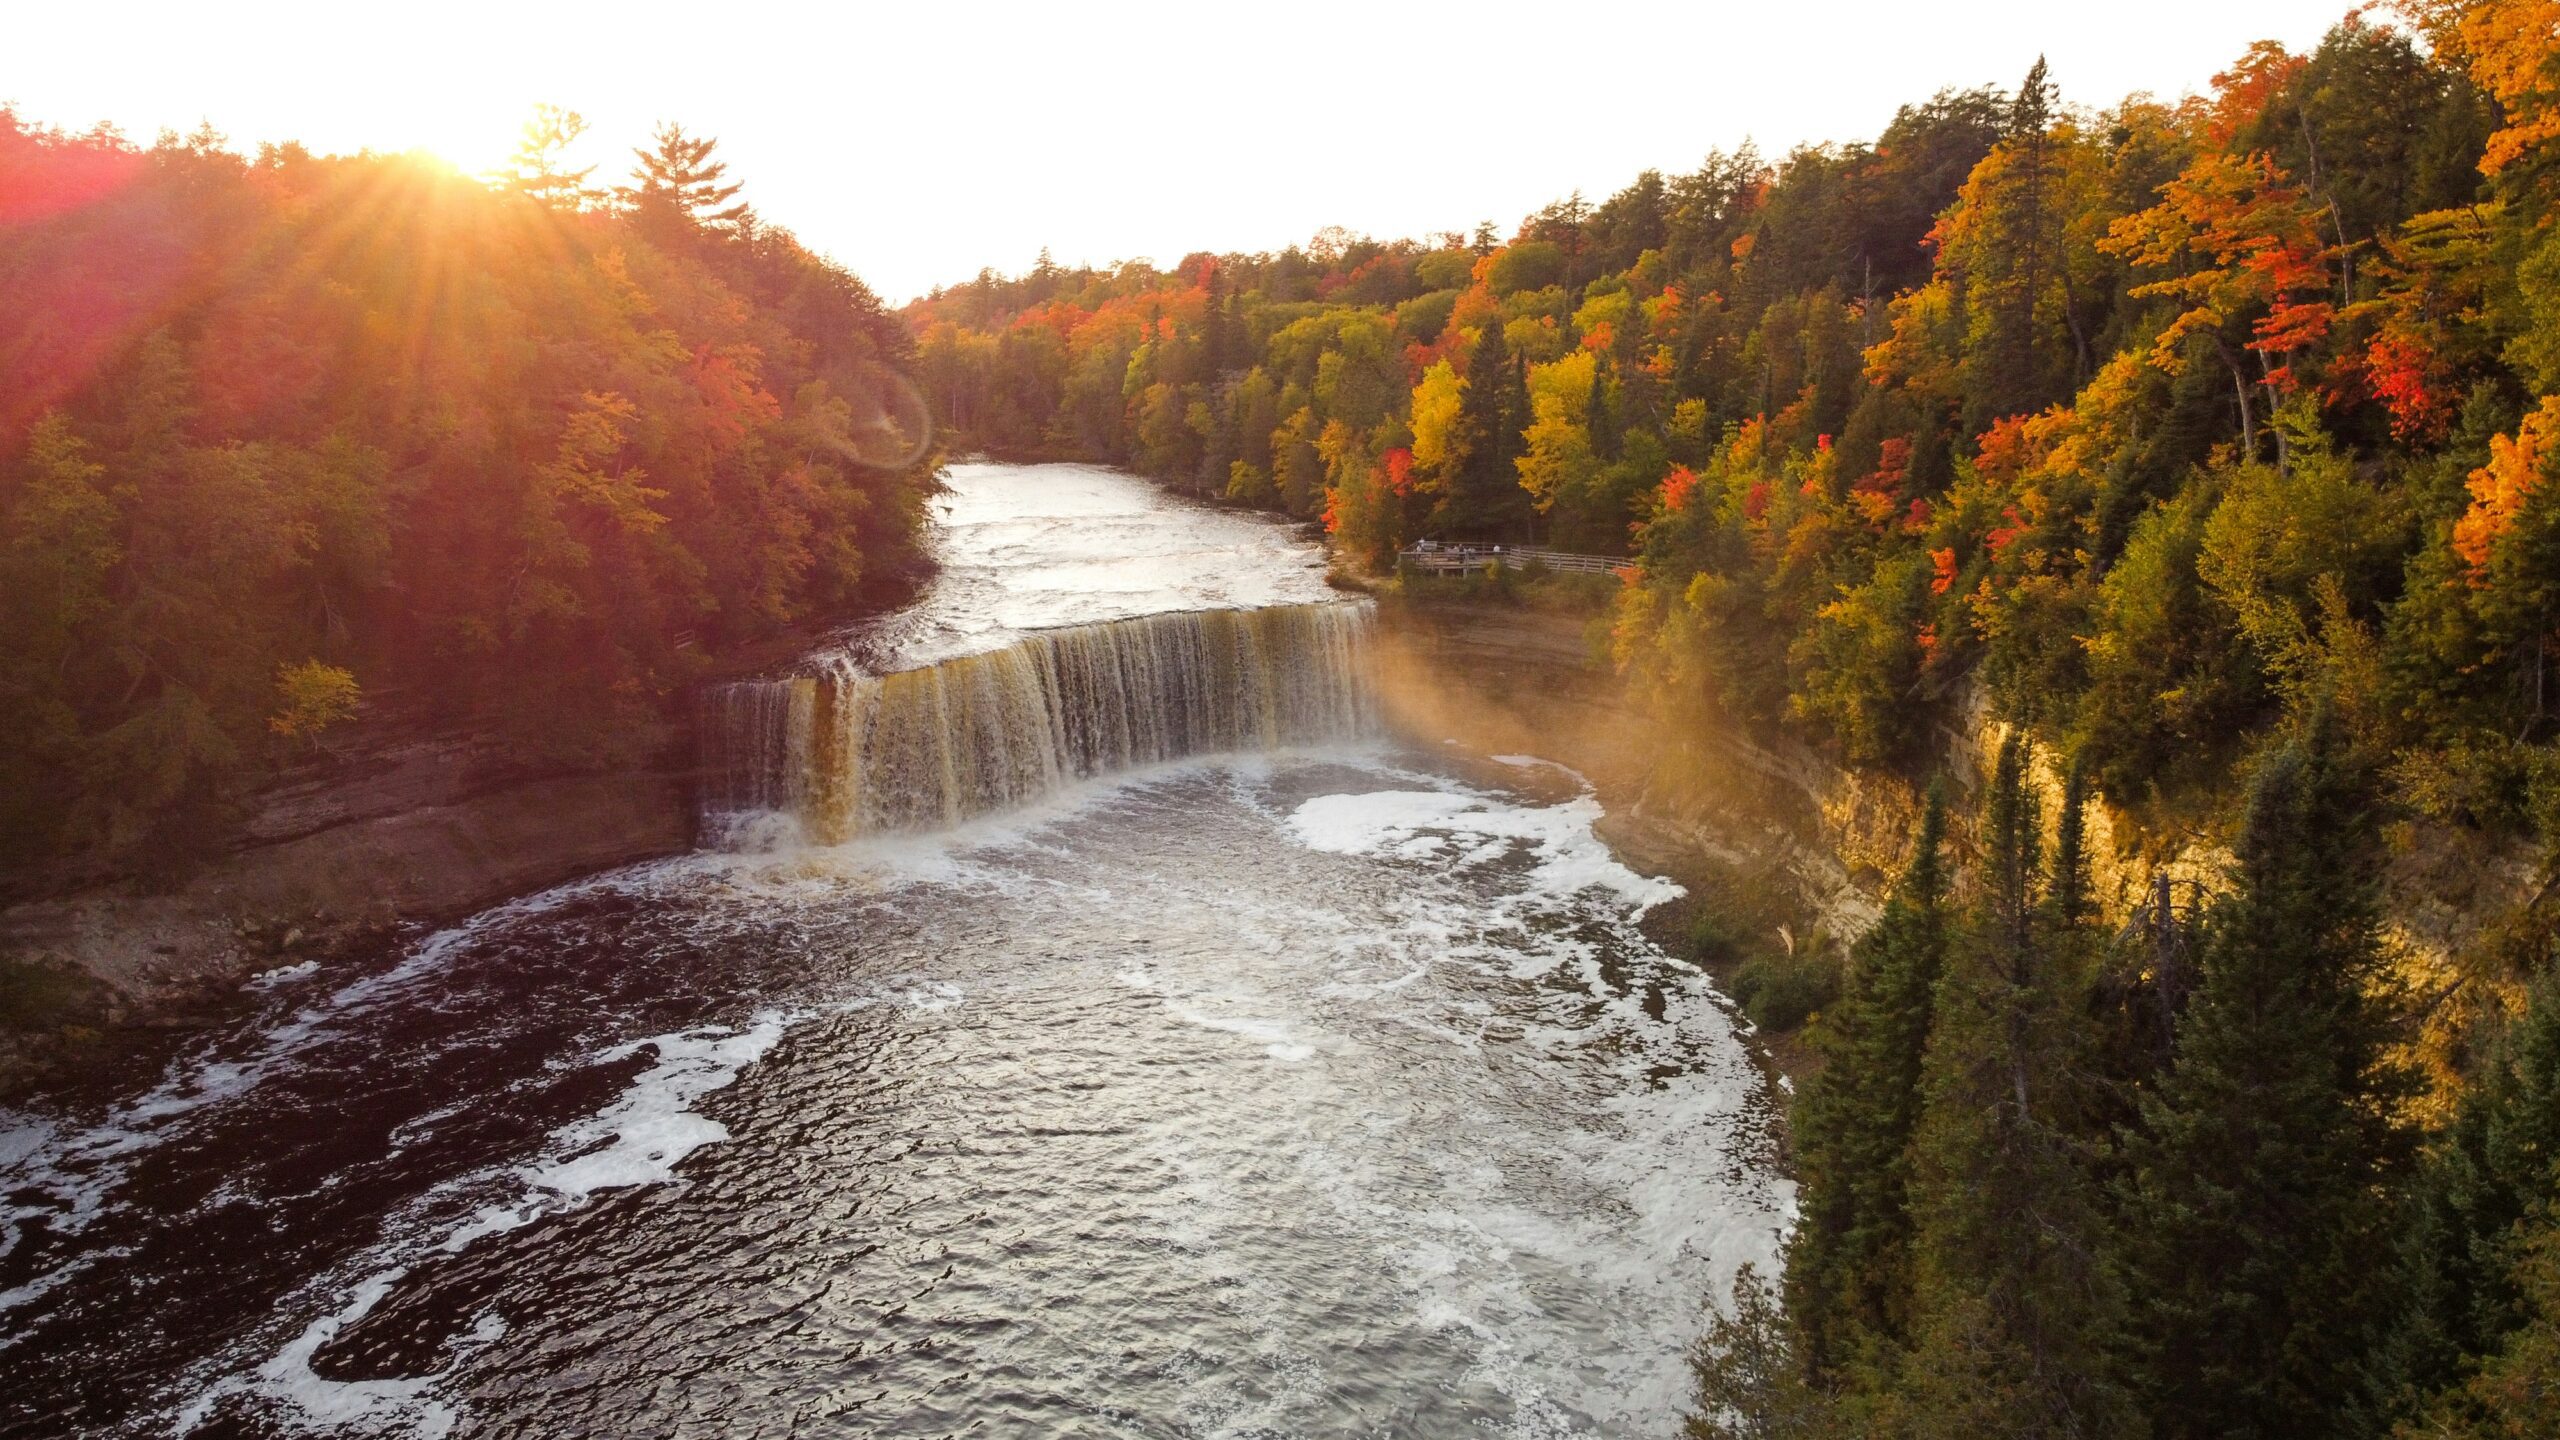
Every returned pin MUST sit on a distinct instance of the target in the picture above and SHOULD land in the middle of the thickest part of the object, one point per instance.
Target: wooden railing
(1432, 559)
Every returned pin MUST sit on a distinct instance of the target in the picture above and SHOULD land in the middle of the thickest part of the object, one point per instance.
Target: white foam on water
(640, 1138)
(44, 1284)
(1584, 1205)
(1667, 1184)
(781, 861)
(282, 975)
(1676, 1197)
(1275, 1038)
(917, 993)
(1391, 823)
(78, 1171)
(322, 1403)
(637, 1140)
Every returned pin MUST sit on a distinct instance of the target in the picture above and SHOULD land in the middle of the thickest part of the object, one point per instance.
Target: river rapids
(1082, 1019)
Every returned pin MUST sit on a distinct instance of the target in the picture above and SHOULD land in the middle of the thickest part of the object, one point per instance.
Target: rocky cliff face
(401, 823)
(1502, 680)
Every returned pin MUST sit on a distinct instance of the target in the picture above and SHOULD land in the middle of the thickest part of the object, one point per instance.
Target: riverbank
(406, 820)
(1736, 824)
(402, 826)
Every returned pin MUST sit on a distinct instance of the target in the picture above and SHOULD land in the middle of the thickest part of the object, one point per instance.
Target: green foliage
(1483, 495)
(2467, 1277)
(1750, 1384)
(1849, 1272)
(1528, 265)
(2254, 1177)
(2276, 536)
(2512, 1393)
(1421, 319)
(1861, 660)
(2017, 1312)
(311, 697)
(1783, 989)
(2534, 352)
(1444, 269)
(2169, 686)
(1993, 398)
(2191, 433)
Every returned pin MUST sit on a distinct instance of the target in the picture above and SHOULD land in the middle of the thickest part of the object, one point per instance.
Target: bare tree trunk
(2284, 447)
(2240, 388)
(2337, 222)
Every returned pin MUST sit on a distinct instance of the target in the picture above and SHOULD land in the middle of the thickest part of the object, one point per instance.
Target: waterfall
(845, 753)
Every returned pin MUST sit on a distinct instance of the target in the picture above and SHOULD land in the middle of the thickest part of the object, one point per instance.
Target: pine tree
(2253, 1199)
(2002, 247)
(2067, 899)
(1484, 495)
(1511, 435)
(2014, 367)
(1849, 1264)
(2464, 1227)
(536, 171)
(1220, 342)
(2016, 1309)
(2516, 1390)
(678, 178)
(1750, 1383)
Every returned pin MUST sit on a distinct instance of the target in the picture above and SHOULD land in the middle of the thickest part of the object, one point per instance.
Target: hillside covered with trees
(2149, 417)
(2218, 443)
(282, 432)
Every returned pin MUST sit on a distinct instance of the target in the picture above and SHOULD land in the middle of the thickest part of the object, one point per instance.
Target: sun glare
(474, 144)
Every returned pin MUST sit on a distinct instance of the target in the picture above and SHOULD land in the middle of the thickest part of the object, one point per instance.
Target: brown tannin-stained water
(1157, 1050)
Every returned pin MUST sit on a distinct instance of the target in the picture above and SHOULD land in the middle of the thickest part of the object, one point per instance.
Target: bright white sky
(917, 142)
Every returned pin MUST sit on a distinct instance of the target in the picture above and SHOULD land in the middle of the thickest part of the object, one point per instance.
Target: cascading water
(1298, 1089)
(844, 753)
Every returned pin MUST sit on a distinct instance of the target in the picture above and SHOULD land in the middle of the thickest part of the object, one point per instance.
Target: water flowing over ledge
(842, 753)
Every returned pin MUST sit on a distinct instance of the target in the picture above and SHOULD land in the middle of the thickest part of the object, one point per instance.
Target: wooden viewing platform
(1434, 559)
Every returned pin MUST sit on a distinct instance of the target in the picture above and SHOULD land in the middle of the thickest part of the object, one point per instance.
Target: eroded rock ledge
(402, 824)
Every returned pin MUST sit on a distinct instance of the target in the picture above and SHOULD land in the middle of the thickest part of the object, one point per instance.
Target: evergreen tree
(536, 171)
(2014, 371)
(678, 178)
(2003, 247)
(2465, 1227)
(1750, 1383)
(2017, 1310)
(1631, 222)
(2253, 1203)
(1484, 495)
(2067, 898)
(2516, 1390)
(1849, 1263)
(1220, 342)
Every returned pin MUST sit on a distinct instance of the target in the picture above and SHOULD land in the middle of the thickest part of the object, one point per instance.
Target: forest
(283, 436)
(2216, 443)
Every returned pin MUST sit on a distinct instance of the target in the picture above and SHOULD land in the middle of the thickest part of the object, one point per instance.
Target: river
(1086, 1022)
